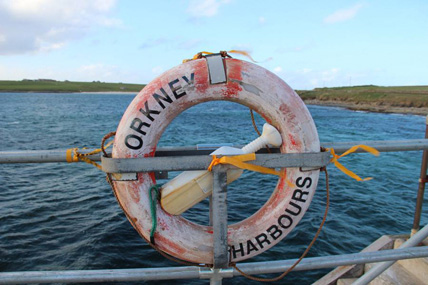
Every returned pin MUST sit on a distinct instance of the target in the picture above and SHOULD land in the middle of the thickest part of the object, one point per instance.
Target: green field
(66, 86)
(400, 96)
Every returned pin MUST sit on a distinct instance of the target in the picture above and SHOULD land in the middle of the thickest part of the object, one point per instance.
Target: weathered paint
(274, 100)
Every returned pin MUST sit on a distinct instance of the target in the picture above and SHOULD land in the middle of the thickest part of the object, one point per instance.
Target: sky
(308, 44)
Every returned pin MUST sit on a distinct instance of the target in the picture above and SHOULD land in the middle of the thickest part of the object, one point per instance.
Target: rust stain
(286, 110)
(231, 91)
(151, 152)
(234, 76)
(163, 225)
(201, 76)
(267, 119)
(169, 246)
(248, 87)
(135, 195)
(282, 184)
(292, 140)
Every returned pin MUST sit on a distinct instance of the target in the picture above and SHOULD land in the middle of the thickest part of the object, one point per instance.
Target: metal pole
(219, 219)
(105, 275)
(48, 156)
(381, 146)
(41, 156)
(312, 263)
(421, 190)
(191, 272)
(379, 268)
(210, 220)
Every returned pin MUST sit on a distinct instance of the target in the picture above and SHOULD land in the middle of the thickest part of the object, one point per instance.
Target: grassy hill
(400, 96)
(47, 85)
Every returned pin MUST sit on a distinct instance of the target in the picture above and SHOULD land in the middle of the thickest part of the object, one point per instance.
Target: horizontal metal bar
(381, 146)
(103, 275)
(47, 156)
(188, 272)
(41, 156)
(198, 162)
(333, 261)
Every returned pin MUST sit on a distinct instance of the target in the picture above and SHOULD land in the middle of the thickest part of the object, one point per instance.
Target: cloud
(205, 8)
(154, 43)
(323, 78)
(306, 70)
(157, 70)
(262, 20)
(44, 25)
(84, 73)
(190, 44)
(277, 69)
(174, 42)
(99, 71)
(308, 78)
(329, 75)
(300, 48)
(343, 14)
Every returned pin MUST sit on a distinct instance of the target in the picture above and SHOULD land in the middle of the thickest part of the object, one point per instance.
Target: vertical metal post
(211, 211)
(219, 219)
(422, 181)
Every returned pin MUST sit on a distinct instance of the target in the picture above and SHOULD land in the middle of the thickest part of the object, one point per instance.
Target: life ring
(189, 84)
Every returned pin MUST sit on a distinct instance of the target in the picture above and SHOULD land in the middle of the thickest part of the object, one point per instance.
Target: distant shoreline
(370, 107)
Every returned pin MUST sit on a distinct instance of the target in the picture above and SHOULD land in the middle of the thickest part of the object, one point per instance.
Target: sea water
(61, 216)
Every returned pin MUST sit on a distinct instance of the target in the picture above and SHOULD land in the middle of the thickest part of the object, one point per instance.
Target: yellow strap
(98, 150)
(73, 155)
(196, 56)
(87, 160)
(242, 52)
(342, 168)
(70, 155)
(238, 161)
(202, 53)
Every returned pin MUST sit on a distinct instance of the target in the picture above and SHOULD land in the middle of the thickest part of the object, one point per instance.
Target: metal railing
(192, 158)
(48, 156)
(191, 272)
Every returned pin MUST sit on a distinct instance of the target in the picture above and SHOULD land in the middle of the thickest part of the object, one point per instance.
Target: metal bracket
(206, 146)
(124, 176)
(132, 176)
(216, 68)
(423, 180)
(207, 273)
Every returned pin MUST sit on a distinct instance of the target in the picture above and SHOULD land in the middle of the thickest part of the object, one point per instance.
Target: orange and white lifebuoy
(189, 84)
